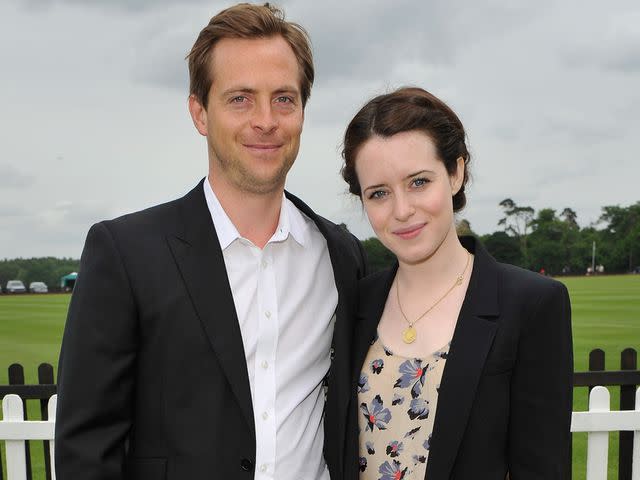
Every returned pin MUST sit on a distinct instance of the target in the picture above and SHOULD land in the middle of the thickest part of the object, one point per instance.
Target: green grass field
(606, 314)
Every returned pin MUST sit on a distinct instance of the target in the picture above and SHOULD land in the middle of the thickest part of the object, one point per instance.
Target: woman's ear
(458, 177)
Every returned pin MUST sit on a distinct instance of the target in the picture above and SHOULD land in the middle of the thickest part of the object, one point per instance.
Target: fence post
(636, 441)
(628, 361)
(51, 410)
(596, 362)
(16, 377)
(598, 442)
(12, 410)
(45, 376)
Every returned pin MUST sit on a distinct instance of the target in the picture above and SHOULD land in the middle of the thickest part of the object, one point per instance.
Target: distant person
(200, 331)
(462, 366)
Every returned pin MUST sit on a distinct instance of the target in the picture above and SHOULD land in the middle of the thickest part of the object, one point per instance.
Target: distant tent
(68, 282)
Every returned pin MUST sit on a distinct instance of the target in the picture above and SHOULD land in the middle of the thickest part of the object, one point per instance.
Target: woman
(462, 365)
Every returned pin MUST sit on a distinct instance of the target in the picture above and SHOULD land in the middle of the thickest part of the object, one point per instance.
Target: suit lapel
(472, 340)
(199, 257)
(374, 290)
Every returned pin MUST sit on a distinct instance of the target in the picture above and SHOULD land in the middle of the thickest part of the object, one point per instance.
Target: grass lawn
(606, 314)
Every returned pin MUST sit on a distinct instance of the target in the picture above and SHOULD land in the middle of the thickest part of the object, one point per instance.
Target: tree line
(45, 269)
(551, 241)
(543, 240)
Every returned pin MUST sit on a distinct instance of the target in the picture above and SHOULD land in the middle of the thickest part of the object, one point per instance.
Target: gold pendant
(409, 335)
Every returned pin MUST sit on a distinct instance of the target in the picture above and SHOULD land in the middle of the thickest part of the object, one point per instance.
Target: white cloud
(94, 104)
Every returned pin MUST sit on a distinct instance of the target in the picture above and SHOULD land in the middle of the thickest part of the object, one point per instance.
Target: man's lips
(263, 147)
(409, 232)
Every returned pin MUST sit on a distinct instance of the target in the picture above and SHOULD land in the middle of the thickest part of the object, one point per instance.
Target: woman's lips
(409, 232)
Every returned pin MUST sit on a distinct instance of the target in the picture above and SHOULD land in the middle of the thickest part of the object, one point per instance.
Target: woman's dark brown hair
(404, 110)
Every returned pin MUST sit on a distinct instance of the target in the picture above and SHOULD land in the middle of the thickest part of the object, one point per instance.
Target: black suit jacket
(506, 393)
(152, 377)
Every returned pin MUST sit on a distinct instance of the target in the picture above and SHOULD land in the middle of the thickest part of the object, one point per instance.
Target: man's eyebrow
(287, 89)
(235, 90)
(241, 89)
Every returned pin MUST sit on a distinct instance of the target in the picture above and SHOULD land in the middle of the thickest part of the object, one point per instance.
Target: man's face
(254, 117)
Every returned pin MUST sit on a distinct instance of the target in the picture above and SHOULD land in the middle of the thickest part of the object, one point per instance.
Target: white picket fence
(14, 430)
(597, 422)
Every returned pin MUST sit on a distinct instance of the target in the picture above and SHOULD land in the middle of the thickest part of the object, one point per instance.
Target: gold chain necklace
(410, 334)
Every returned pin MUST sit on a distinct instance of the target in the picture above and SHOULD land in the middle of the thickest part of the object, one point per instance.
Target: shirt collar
(291, 221)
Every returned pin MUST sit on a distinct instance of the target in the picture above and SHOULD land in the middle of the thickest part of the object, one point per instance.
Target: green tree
(503, 247)
(44, 269)
(378, 256)
(546, 249)
(619, 246)
(517, 221)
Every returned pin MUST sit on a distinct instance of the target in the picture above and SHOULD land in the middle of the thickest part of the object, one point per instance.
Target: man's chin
(263, 186)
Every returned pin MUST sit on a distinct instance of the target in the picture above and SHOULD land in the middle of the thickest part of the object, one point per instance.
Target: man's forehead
(255, 63)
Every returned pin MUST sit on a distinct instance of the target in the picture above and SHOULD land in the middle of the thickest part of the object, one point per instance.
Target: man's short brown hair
(247, 21)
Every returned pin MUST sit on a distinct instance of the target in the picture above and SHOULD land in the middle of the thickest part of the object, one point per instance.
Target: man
(200, 331)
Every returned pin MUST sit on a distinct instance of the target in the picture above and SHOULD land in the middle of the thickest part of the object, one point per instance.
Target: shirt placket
(265, 378)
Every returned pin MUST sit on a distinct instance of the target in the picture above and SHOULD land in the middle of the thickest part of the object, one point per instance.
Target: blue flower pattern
(376, 414)
(398, 402)
(363, 383)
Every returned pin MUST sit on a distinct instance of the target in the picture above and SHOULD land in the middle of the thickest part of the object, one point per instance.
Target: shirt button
(264, 264)
(265, 415)
(267, 314)
(246, 464)
(265, 365)
(263, 468)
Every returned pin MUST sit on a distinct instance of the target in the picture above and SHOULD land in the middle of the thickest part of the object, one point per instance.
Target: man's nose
(263, 118)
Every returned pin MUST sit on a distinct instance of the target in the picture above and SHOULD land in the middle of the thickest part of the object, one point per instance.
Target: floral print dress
(397, 399)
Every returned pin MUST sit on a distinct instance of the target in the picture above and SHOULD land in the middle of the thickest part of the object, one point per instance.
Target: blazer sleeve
(96, 366)
(542, 391)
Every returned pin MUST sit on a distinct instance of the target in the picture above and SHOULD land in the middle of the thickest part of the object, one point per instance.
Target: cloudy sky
(94, 124)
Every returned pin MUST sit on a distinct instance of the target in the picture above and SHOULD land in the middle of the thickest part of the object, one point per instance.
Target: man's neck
(255, 216)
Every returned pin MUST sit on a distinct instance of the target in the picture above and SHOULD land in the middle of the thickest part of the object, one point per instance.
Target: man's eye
(238, 99)
(420, 182)
(284, 99)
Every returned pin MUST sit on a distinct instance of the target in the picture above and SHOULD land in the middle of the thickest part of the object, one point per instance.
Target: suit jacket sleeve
(542, 391)
(96, 367)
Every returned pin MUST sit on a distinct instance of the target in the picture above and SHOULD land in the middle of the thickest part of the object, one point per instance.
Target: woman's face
(408, 194)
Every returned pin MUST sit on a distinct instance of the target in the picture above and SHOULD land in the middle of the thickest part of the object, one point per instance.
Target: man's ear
(458, 177)
(198, 114)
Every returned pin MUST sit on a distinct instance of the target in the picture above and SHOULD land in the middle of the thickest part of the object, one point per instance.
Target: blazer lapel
(470, 345)
(199, 257)
(374, 290)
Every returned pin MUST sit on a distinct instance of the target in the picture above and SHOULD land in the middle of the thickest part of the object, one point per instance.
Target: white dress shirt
(285, 298)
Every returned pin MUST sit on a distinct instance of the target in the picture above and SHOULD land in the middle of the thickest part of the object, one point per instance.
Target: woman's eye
(377, 194)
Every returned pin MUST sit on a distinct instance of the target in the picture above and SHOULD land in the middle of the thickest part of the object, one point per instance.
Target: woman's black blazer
(506, 393)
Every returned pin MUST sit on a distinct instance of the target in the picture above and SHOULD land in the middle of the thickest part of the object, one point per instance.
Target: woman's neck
(443, 266)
